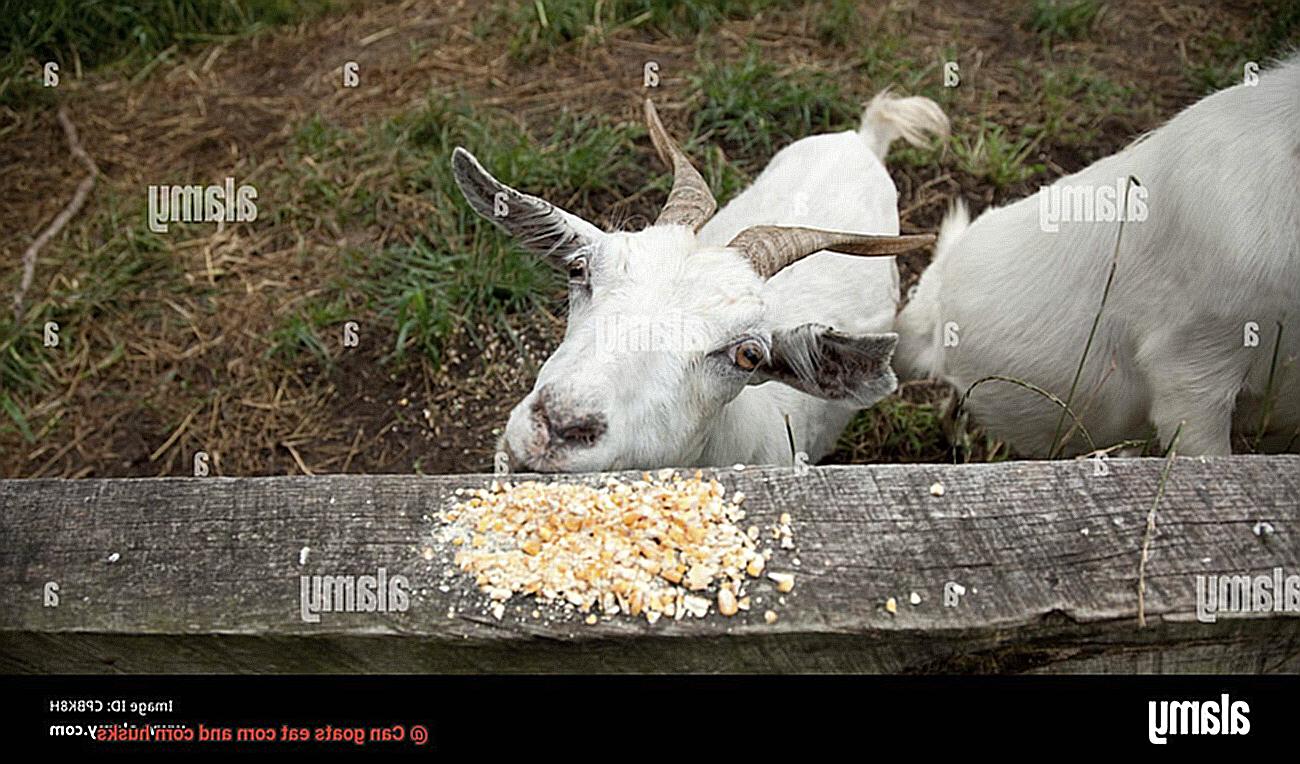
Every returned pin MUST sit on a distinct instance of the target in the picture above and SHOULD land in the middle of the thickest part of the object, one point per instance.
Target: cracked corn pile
(663, 546)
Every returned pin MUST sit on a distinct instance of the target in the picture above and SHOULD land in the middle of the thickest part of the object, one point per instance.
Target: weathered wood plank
(206, 575)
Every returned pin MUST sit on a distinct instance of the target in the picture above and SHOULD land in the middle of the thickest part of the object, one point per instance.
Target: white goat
(671, 333)
(1188, 331)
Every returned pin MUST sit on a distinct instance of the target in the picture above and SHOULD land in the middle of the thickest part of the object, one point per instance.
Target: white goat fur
(664, 410)
(1220, 247)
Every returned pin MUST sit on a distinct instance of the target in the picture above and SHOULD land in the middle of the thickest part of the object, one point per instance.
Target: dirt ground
(143, 386)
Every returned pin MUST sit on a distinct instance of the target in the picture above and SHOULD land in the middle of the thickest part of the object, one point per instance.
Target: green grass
(887, 60)
(1073, 101)
(90, 33)
(537, 27)
(722, 175)
(751, 107)
(1062, 19)
(462, 271)
(839, 22)
(900, 430)
(1270, 390)
(912, 431)
(458, 271)
(1274, 33)
(307, 330)
(110, 264)
(994, 156)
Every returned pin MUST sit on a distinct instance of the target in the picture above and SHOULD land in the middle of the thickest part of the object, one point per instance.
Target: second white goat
(1207, 270)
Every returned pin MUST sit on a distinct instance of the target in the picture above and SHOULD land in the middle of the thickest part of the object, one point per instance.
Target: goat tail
(889, 117)
(953, 226)
(919, 325)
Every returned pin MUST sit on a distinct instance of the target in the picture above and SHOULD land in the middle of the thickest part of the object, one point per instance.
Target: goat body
(836, 181)
(1207, 271)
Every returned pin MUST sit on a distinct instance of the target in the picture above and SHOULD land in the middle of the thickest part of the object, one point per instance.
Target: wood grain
(205, 575)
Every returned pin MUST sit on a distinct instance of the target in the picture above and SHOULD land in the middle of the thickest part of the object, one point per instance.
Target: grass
(83, 34)
(461, 270)
(885, 58)
(538, 27)
(906, 431)
(111, 264)
(306, 330)
(1270, 392)
(723, 176)
(1062, 19)
(1072, 100)
(457, 271)
(1064, 406)
(1149, 533)
(994, 156)
(904, 428)
(839, 22)
(751, 107)
(1274, 32)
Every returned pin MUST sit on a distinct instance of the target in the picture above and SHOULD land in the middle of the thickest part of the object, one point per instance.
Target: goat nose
(565, 423)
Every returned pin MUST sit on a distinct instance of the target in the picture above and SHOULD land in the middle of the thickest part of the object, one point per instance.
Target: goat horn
(690, 202)
(769, 248)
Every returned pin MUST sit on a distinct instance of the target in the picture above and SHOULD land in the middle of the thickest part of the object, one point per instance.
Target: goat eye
(748, 355)
(578, 270)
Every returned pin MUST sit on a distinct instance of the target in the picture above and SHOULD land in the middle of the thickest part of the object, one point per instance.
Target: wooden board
(203, 575)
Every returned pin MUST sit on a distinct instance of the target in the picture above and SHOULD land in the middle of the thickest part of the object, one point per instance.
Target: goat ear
(816, 359)
(538, 225)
